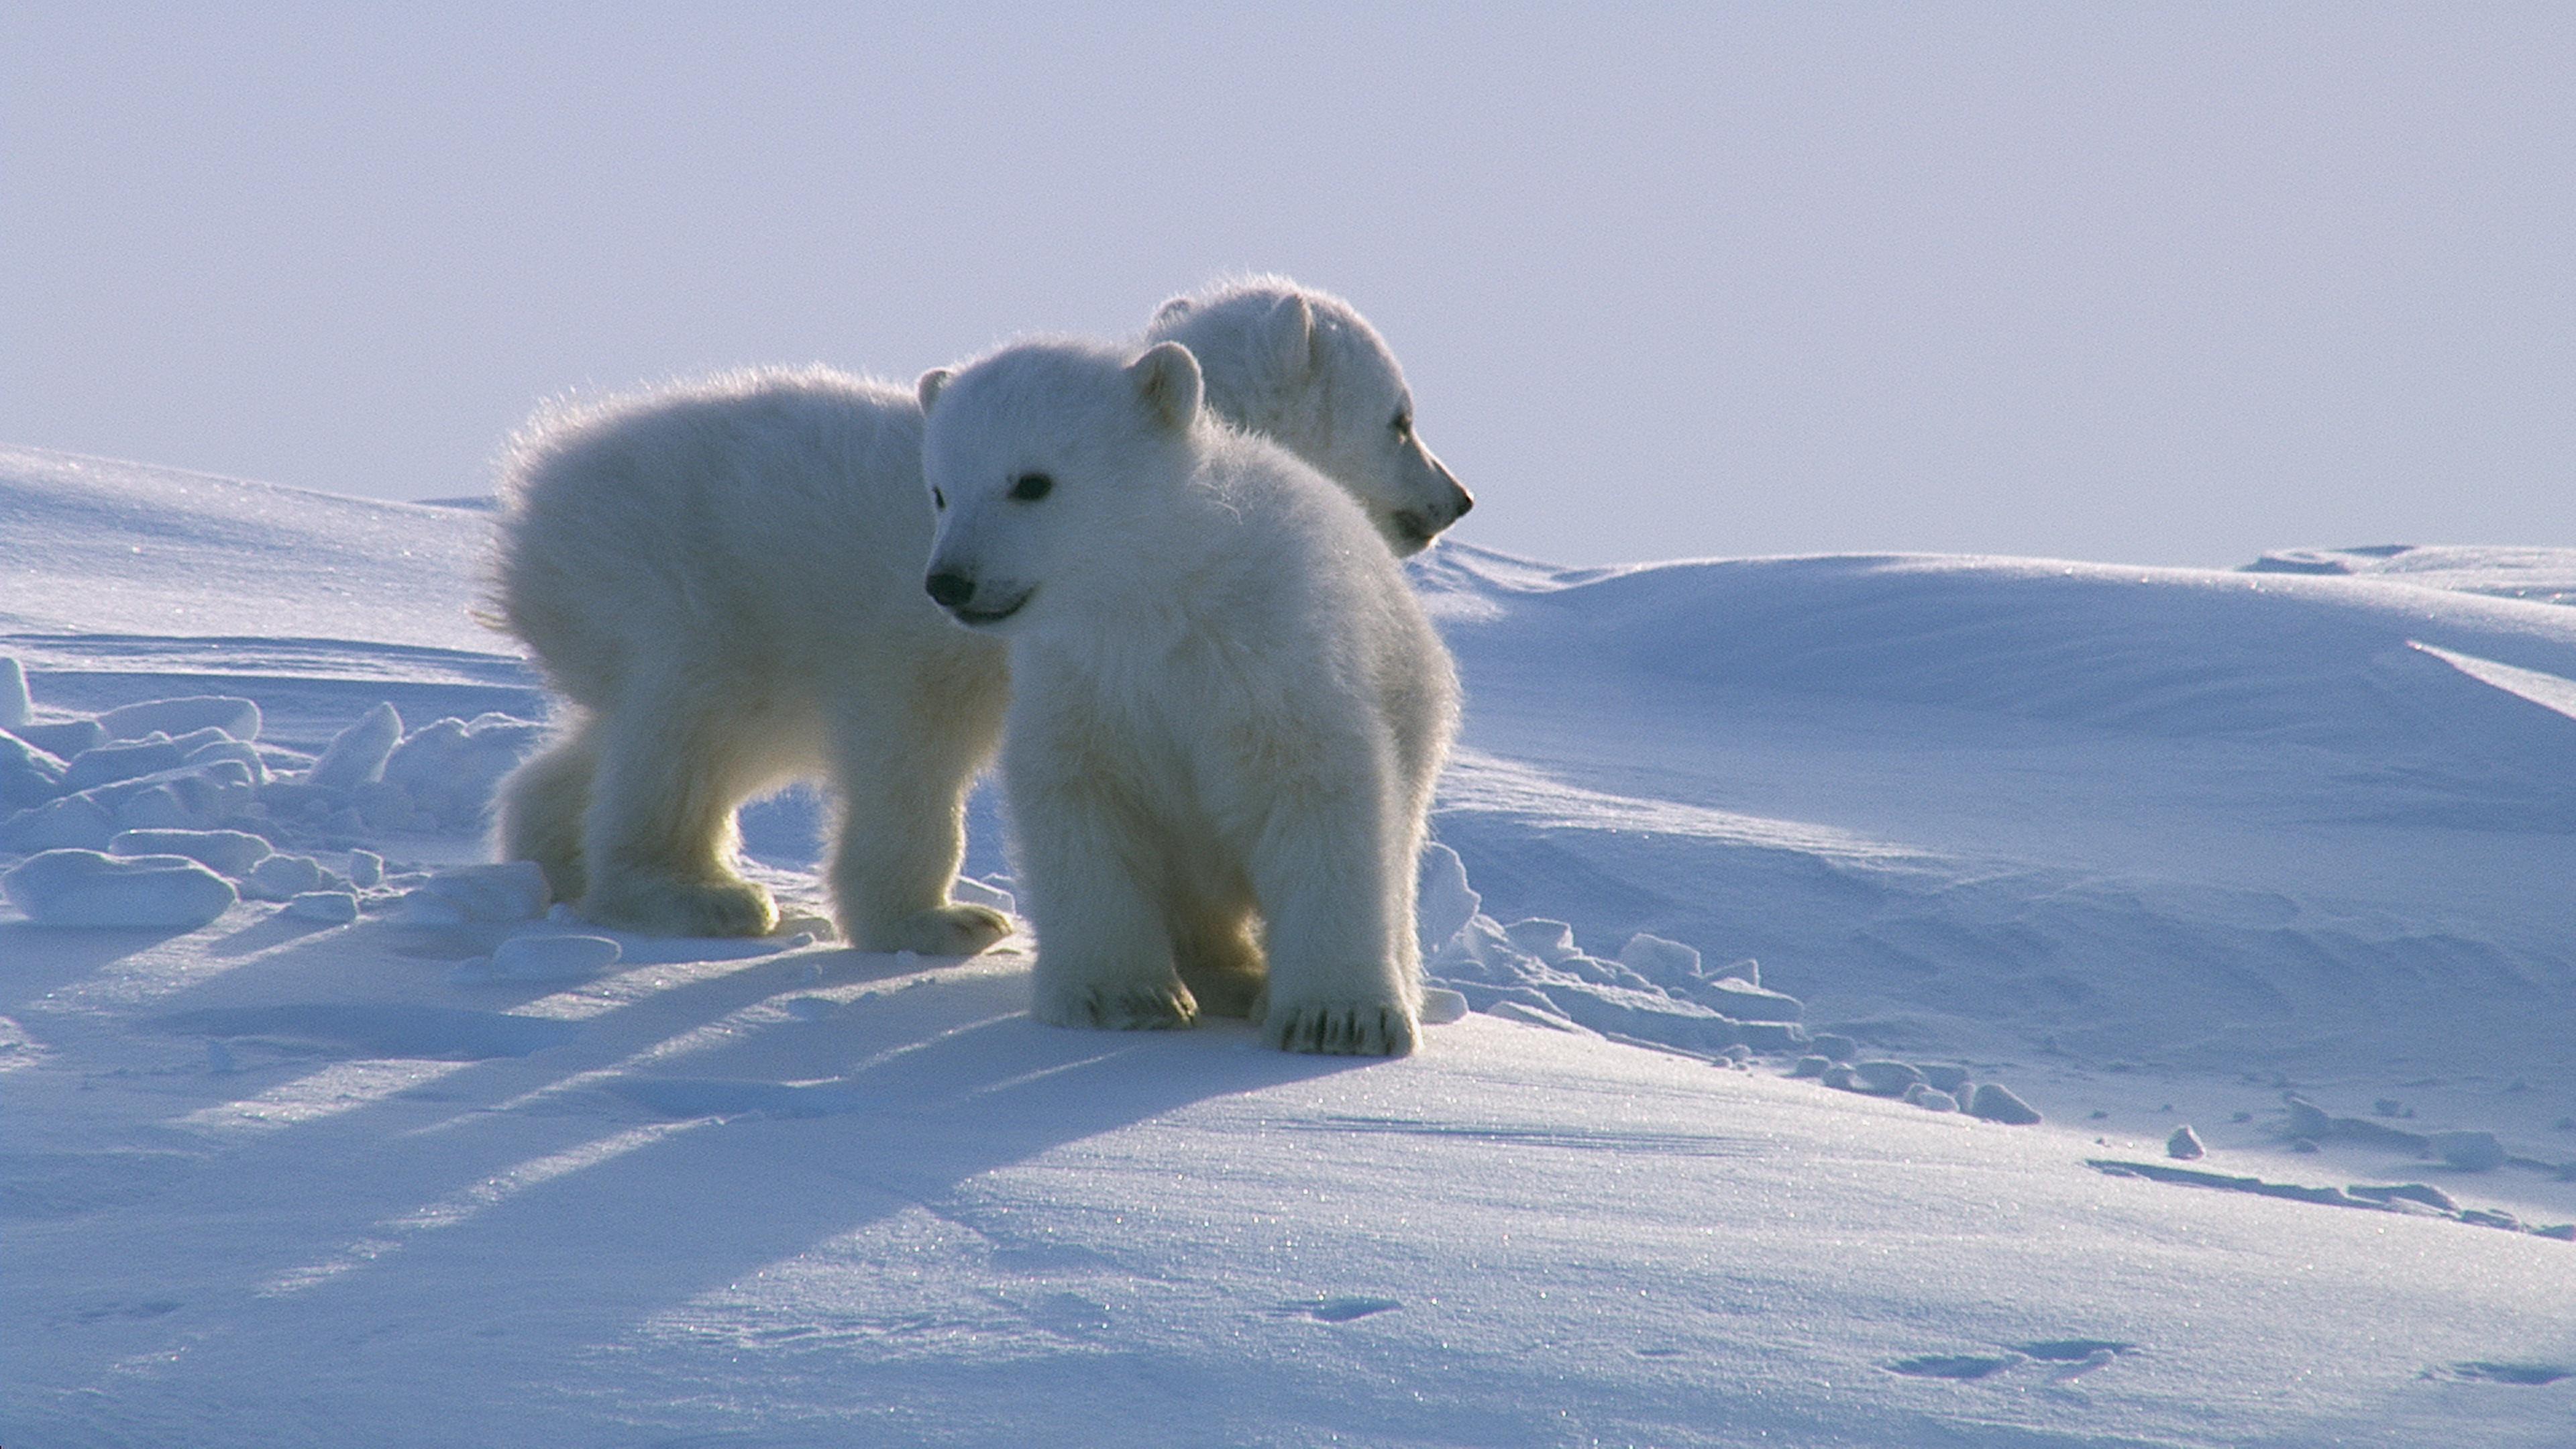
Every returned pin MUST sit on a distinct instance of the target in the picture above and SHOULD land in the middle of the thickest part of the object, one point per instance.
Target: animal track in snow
(2484, 1372)
(1670, 1144)
(1956, 1365)
(1337, 1310)
(2069, 1356)
(2413, 1198)
(1069, 1314)
(2071, 1350)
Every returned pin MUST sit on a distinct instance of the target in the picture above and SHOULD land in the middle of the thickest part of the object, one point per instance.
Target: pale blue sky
(2134, 283)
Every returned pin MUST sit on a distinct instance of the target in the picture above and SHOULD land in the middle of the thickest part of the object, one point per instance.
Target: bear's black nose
(949, 590)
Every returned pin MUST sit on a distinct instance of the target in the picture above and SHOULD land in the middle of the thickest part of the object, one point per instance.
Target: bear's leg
(542, 805)
(901, 834)
(1218, 959)
(659, 837)
(1343, 979)
(1104, 952)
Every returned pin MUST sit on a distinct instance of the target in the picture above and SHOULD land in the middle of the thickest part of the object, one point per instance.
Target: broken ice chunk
(450, 767)
(1996, 1103)
(64, 739)
(1731, 996)
(1549, 941)
(283, 878)
(1883, 1078)
(543, 958)
(511, 891)
(15, 709)
(125, 760)
(236, 717)
(28, 775)
(1443, 901)
(1440, 1006)
(85, 888)
(227, 852)
(358, 754)
(2469, 1151)
(247, 755)
(335, 907)
(74, 822)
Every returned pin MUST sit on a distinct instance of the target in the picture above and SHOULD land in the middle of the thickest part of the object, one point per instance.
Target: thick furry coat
(723, 581)
(1228, 709)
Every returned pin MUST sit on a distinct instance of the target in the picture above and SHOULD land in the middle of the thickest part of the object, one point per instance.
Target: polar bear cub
(1306, 369)
(723, 580)
(1227, 708)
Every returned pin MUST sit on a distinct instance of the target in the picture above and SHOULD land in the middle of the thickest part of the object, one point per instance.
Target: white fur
(1303, 367)
(1228, 709)
(723, 579)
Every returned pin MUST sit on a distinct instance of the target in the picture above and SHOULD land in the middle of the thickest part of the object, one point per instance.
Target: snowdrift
(2214, 817)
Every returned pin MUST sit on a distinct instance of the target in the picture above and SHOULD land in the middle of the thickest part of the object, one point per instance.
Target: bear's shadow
(767, 1169)
(840, 1111)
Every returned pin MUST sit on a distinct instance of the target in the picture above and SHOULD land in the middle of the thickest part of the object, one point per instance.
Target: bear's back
(774, 519)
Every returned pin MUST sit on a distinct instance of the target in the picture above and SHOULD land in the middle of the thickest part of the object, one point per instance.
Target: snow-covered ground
(2284, 854)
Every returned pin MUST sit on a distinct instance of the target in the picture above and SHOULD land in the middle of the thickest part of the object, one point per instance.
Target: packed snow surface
(1772, 896)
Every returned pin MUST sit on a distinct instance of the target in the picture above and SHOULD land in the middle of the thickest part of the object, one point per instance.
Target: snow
(543, 958)
(85, 888)
(2269, 864)
(229, 852)
(356, 755)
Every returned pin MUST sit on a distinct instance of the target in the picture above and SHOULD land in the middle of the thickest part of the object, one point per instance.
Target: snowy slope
(2215, 817)
(2155, 845)
(89, 546)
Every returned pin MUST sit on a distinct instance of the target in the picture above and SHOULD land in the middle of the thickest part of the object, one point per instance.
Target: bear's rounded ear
(928, 388)
(1289, 330)
(1171, 311)
(1168, 383)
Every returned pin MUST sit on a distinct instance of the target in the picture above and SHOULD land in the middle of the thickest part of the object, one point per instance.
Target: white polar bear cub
(723, 579)
(1305, 369)
(1227, 708)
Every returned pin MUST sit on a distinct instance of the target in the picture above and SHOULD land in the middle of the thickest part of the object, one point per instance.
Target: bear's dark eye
(1403, 423)
(938, 499)
(1030, 487)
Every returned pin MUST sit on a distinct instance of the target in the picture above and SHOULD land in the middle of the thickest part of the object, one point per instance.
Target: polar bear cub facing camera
(1227, 708)
(723, 581)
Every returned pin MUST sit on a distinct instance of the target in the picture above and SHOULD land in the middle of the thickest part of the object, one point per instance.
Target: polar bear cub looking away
(1305, 369)
(1227, 707)
(723, 581)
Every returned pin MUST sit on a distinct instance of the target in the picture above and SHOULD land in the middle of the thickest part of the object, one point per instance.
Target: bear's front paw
(662, 907)
(1341, 1028)
(1117, 1008)
(952, 930)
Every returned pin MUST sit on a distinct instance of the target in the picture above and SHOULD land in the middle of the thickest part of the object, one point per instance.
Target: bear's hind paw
(662, 907)
(1348, 1029)
(1120, 1008)
(951, 930)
